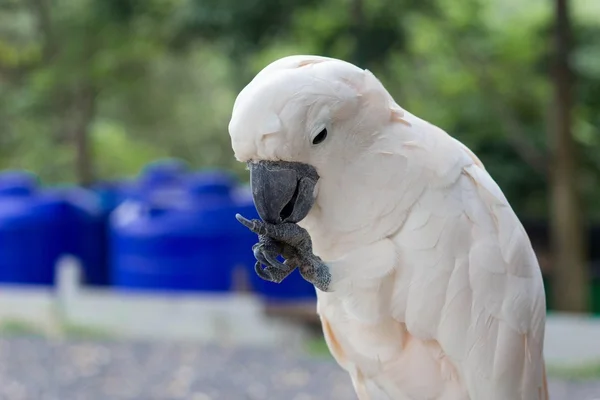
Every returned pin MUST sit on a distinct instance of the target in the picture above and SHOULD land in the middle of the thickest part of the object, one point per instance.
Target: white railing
(230, 318)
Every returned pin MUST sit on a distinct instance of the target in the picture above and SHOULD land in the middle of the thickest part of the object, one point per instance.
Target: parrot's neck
(334, 235)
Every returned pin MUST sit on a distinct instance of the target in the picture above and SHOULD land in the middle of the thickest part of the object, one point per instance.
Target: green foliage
(15, 327)
(164, 73)
(84, 332)
(112, 150)
(588, 371)
(318, 348)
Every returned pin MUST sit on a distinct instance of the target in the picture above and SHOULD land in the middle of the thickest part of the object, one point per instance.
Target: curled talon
(257, 249)
(273, 262)
(266, 252)
(292, 262)
(260, 257)
(262, 273)
(272, 274)
(268, 260)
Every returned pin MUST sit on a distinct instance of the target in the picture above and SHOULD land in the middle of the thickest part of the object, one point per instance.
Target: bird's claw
(266, 252)
(294, 244)
(271, 274)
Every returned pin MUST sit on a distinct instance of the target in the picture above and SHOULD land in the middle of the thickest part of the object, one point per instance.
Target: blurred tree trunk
(357, 17)
(82, 114)
(570, 270)
(42, 10)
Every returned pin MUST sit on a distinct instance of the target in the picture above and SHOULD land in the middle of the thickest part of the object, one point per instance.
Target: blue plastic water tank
(186, 246)
(113, 193)
(163, 172)
(293, 288)
(87, 233)
(31, 230)
(17, 183)
(161, 183)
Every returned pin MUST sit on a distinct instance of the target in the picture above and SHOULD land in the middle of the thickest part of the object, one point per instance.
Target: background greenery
(94, 89)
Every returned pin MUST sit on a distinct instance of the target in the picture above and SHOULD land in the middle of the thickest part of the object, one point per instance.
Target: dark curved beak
(282, 191)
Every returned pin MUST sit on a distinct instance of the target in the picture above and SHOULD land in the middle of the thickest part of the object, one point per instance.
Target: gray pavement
(46, 369)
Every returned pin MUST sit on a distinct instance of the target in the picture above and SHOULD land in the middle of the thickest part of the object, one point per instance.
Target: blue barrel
(113, 193)
(31, 230)
(209, 186)
(163, 172)
(186, 246)
(294, 288)
(86, 224)
(161, 183)
(17, 183)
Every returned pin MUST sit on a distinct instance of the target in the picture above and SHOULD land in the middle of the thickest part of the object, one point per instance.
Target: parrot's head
(303, 125)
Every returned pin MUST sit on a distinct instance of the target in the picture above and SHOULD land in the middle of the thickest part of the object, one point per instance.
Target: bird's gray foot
(294, 244)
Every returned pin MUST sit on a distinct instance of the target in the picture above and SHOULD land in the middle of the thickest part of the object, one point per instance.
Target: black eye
(320, 137)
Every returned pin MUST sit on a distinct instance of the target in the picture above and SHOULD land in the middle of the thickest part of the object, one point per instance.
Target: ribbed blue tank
(87, 233)
(32, 233)
(161, 183)
(177, 245)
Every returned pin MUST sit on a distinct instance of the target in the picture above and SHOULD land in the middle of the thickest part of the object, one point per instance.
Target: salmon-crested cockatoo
(427, 284)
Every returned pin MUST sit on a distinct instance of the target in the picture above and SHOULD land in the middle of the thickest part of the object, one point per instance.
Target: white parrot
(428, 287)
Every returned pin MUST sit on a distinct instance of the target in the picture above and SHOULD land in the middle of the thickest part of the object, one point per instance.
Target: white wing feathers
(469, 279)
(459, 276)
